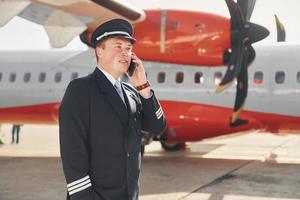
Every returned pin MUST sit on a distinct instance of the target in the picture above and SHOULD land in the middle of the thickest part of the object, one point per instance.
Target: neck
(116, 75)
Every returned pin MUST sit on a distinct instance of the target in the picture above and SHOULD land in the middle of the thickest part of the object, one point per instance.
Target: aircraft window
(27, 76)
(199, 78)
(42, 77)
(0, 76)
(218, 78)
(74, 75)
(298, 77)
(279, 77)
(161, 77)
(179, 77)
(58, 77)
(12, 77)
(258, 77)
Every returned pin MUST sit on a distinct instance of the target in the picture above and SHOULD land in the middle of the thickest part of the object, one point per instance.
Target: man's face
(115, 55)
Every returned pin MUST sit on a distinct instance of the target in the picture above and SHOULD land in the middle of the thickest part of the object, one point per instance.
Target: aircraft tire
(172, 146)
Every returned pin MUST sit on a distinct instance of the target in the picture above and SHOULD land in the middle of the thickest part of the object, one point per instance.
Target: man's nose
(126, 52)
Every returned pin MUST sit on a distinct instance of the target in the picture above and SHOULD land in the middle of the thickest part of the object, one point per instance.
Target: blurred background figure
(15, 133)
(1, 136)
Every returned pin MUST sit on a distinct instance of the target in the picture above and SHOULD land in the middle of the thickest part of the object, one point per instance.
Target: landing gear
(172, 146)
(145, 140)
(142, 150)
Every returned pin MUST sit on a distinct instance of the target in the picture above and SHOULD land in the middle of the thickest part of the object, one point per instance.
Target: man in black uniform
(101, 119)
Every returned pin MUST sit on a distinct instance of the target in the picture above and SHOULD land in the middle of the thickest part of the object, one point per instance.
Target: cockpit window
(279, 77)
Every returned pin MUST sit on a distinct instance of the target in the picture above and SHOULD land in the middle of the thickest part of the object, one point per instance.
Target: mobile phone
(131, 68)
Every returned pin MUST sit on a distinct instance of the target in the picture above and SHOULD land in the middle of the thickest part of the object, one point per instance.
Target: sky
(20, 34)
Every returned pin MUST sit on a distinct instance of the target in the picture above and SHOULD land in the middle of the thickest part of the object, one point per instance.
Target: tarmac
(250, 166)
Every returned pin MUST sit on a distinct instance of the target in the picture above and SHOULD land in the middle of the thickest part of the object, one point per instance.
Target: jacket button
(128, 155)
(134, 119)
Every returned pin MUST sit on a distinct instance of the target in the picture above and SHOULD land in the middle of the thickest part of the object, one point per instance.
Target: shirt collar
(108, 76)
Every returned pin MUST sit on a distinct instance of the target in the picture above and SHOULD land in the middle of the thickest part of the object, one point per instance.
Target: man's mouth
(123, 61)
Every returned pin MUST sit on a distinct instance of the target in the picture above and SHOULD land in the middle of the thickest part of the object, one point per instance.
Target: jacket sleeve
(153, 118)
(73, 135)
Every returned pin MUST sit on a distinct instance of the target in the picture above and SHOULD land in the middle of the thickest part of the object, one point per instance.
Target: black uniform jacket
(100, 138)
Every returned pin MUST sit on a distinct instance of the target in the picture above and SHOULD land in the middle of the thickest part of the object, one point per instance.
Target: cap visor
(132, 40)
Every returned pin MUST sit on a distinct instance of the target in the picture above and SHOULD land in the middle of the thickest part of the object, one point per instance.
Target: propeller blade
(251, 54)
(239, 122)
(240, 98)
(236, 16)
(234, 67)
(246, 7)
(241, 89)
(243, 34)
(280, 30)
(257, 32)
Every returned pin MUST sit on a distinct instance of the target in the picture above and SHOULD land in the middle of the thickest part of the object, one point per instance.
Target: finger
(134, 56)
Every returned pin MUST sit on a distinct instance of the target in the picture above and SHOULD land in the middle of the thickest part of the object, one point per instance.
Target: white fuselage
(26, 87)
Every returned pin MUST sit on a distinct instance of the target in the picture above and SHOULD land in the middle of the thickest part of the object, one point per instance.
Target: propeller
(280, 30)
(243, 35)
(247, 8)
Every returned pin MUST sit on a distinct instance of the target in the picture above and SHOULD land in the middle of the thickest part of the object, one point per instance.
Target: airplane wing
(64, 20)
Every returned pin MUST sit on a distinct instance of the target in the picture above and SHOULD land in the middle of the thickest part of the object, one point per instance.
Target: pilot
(101, 118)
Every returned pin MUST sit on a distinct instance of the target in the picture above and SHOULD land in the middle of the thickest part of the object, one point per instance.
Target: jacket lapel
(111, 95)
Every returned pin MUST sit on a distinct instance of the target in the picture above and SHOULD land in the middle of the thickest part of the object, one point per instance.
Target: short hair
(99, 45)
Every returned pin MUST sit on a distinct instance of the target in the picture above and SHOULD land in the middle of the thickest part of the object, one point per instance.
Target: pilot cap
(116, 28)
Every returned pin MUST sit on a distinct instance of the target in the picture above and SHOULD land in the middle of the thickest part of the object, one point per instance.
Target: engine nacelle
(182, 37)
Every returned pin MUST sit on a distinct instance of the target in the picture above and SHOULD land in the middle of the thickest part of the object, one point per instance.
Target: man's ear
(99, 52)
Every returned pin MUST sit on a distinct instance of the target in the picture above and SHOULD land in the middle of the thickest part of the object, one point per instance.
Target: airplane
(187, 55)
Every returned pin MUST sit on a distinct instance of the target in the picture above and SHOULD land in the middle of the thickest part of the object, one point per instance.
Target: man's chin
(124, 68)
